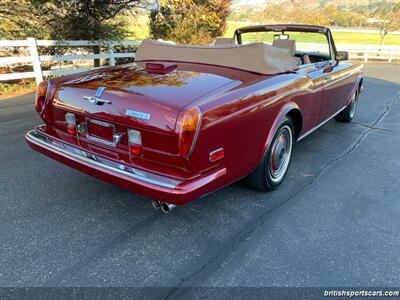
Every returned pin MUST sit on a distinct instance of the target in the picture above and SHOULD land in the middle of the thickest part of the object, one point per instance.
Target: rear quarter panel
(241, 121)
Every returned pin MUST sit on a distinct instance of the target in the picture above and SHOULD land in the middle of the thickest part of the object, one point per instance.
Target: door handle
(327, 78)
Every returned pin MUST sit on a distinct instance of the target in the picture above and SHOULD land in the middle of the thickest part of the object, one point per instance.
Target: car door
(335, 88)
(312, 102)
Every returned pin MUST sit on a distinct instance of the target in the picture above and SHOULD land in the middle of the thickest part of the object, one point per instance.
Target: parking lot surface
(334, 222)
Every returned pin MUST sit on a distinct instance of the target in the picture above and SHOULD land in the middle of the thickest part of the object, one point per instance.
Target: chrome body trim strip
(320, 124)
(196, 134)
(38, 138)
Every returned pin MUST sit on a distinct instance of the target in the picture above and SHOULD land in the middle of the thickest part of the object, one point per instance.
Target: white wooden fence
(360, 51)
(364, 52)
(36, 60)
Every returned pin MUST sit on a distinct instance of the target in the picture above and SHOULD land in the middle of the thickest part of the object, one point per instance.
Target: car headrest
(286, 44)
(223, 41)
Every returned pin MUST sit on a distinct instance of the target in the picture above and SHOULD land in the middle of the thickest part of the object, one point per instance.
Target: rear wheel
(273, 168)
(348, 113)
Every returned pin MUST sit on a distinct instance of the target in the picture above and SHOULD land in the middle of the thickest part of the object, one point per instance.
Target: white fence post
(391, 54)
(366, 54)
(37, 69)
(111, 53)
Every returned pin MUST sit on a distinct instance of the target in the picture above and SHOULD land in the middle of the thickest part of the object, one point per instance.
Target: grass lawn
(339, 37)
(16, 88)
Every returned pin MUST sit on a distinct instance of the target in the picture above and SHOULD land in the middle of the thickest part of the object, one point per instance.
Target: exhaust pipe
(156, 204)
(165, 207)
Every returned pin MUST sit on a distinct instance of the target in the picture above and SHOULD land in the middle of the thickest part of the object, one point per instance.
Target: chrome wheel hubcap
(280, 154)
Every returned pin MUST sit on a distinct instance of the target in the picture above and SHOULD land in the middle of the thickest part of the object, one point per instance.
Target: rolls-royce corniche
(183, 121)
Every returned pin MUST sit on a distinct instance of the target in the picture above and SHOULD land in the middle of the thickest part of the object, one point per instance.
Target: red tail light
(189, 126)
(71, 129)
(135, 142)
(41, 96)
(71, 123)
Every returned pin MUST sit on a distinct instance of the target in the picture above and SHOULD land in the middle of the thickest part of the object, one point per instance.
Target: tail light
(189, 126)
(41, 96)
(71, 123)
(135, 142)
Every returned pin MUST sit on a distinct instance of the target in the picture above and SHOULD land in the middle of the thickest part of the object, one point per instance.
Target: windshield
(306, 42)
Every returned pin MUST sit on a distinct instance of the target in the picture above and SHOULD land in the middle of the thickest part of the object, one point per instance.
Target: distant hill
(238, 4)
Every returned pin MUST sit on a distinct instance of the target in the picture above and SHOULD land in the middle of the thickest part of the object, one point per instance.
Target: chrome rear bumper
(155, 186)
(36, 137)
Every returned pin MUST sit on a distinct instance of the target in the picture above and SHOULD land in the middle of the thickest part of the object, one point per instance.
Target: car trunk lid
(108, 103)
(135, 97)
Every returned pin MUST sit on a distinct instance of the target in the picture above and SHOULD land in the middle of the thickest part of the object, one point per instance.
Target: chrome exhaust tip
(156, 204)
(166, 208)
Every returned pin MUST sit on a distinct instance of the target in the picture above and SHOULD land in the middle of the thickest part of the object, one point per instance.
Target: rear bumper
(155, 186)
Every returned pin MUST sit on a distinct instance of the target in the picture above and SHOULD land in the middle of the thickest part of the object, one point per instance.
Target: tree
(65, 19)
(25, 19)
(189, 21)
(389, 19)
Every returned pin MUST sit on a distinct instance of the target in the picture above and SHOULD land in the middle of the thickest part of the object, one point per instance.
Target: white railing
(358, 51)
(364, 52)
(36, 60)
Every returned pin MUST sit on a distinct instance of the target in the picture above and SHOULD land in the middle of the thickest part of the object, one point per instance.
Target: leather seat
(306, 59)
(223, 41)
(291, 45)
(286, 44)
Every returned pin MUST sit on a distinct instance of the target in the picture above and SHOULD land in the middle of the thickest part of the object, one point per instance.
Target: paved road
(335, 222)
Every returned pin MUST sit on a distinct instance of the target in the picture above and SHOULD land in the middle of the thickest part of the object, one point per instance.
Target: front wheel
(348, 113)
(273, 168)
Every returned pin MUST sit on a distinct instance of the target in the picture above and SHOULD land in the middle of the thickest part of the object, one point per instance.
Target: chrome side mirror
(342, 55)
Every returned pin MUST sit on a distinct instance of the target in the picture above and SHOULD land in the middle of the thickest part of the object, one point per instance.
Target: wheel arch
(293, 111)
(297, 119)
(360, 85)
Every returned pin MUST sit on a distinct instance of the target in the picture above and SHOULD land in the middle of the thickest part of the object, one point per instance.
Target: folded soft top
(254, 57)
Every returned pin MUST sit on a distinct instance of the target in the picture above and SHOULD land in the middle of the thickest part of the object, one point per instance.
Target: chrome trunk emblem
(100, 91)
(97, 97)
(137, 114)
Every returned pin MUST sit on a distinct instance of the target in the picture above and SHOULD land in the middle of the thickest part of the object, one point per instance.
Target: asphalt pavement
(334, 222)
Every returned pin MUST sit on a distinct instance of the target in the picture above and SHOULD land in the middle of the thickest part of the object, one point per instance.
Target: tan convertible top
(254, 57)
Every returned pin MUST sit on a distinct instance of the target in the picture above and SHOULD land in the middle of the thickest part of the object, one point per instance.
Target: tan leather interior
(306, 59)
(223, 41)
(254, 57)
(291, 45)
(286, 44)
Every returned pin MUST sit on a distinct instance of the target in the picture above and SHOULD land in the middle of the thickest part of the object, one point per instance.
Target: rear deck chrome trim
(41, 139)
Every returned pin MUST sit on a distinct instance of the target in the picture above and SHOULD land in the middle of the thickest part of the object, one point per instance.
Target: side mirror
(342, 55)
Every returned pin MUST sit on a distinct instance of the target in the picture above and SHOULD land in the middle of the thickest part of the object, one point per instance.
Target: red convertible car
(184, 121)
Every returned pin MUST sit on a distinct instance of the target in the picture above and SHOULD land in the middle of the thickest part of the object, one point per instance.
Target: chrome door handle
(327, 78)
